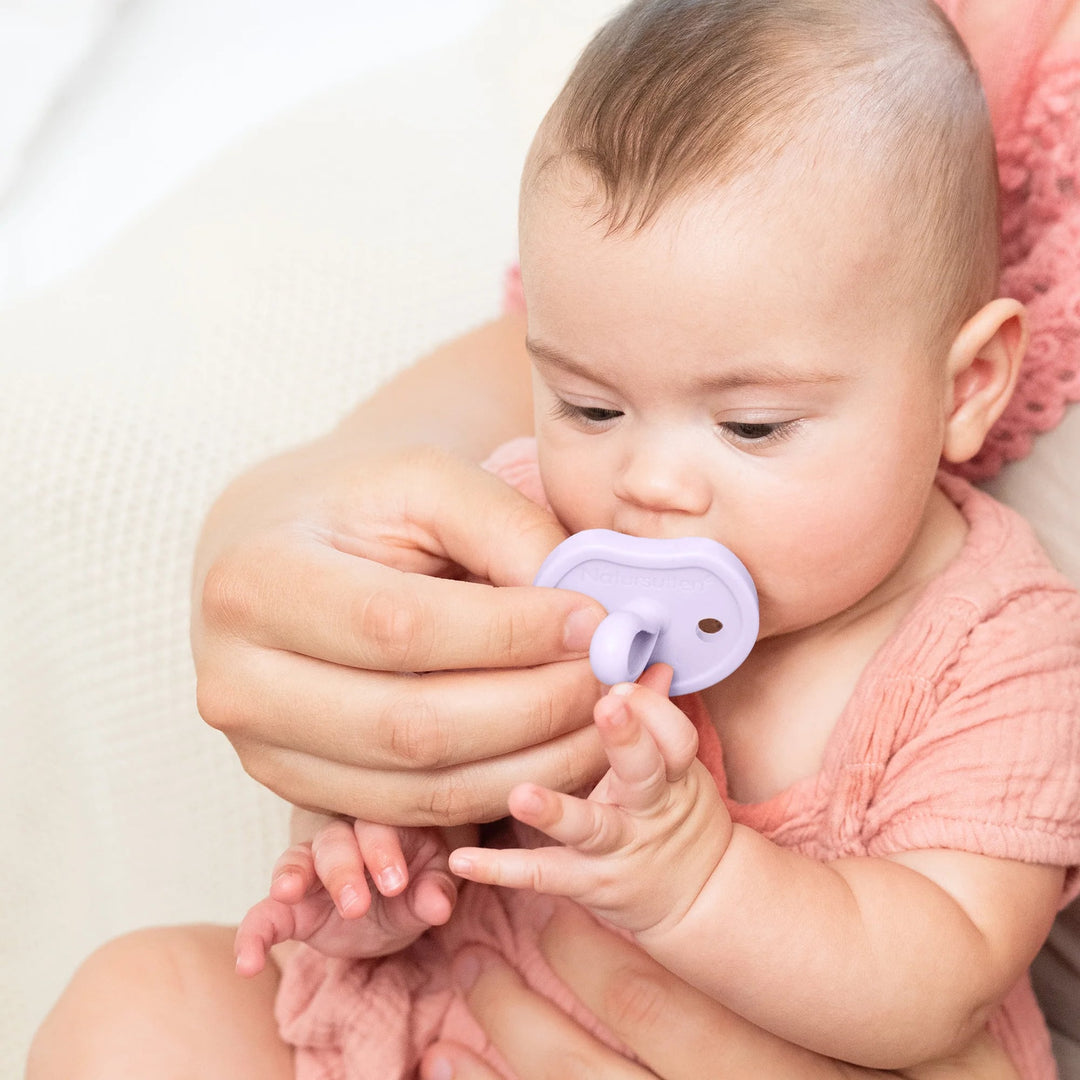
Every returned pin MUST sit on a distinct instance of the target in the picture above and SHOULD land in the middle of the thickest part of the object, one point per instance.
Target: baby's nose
(661, 477)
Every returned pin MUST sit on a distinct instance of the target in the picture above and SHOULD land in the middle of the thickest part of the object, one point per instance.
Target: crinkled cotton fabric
(963, 732)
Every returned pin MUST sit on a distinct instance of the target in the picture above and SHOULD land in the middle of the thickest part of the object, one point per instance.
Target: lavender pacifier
(688, 602)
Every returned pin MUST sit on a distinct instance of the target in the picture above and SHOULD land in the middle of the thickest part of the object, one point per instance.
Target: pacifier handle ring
(623, 644)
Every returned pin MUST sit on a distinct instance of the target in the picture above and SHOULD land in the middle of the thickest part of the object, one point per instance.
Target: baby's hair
(673, 97)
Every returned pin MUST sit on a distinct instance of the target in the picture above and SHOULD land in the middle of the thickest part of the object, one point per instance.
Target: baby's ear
(983, 366)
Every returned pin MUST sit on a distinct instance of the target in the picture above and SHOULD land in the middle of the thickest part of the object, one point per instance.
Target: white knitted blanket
(240, 316)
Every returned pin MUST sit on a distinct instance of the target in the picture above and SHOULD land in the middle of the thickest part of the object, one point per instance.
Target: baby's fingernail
(448, 887)
(579, 628)
(623, 689)
(466, 971)
(391, 880)
(438, 1069)
(348, 898)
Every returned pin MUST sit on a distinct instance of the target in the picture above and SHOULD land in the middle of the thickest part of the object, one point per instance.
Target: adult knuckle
(518, 630)
(449, 798)
(220, 705)
(229, 595)
(546, 714)
(527, 520)
(414, 732)
(392, 630)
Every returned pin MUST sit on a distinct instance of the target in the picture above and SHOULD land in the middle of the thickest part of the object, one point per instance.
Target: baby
(759, 250)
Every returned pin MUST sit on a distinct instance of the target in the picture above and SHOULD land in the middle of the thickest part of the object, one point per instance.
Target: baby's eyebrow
(551, 355)
(769, 374)
(772, 375)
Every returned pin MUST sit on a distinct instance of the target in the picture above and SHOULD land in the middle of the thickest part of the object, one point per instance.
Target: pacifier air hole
(710, 626)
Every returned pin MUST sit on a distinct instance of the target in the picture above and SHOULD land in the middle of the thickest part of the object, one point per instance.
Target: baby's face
(740, 371)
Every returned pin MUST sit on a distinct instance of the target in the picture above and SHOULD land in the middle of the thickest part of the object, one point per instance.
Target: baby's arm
(355, 889)
(881, 962)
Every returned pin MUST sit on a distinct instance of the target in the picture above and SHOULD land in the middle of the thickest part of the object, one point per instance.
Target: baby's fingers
(595, 828)
(340, 867)
(649, 743)
(555, 871)
(380, 850)
(293, 875)
(265, 925)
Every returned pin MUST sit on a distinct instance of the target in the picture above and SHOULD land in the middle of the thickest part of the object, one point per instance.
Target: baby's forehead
(816, 188)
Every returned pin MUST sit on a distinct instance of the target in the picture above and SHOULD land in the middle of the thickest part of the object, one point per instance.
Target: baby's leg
(163, 1004)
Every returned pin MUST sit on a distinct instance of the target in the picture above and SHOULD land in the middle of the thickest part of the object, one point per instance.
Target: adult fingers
(461, 794)
(379, 720)
(537, 1039)
(456, 509)
(308, 597)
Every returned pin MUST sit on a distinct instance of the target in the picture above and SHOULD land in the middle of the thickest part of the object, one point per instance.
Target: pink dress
(963, 732)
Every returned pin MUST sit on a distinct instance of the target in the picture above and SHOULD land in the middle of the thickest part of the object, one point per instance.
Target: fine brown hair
(675, 96)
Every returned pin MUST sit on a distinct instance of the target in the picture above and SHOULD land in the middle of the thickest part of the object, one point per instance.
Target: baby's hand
(320, 893)
(641, 847)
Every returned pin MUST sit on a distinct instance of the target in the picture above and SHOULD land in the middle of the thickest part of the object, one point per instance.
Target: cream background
(240, 314)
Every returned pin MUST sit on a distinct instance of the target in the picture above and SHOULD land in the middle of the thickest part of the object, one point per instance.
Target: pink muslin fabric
(963, 732)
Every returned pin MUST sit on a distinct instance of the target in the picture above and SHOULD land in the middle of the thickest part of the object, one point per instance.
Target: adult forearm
(468, 396)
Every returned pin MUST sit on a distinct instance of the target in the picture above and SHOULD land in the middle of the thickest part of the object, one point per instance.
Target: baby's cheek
(579, 501)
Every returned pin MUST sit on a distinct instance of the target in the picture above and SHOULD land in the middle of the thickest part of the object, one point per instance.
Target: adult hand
(676, 1031)
(323, 576)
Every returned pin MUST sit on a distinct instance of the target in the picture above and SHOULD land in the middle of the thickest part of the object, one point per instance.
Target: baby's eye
(758, 433)
(583, 414)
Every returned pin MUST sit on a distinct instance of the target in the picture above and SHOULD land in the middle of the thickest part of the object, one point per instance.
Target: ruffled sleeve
(994, 764)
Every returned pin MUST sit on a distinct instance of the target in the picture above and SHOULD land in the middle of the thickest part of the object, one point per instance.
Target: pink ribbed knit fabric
(1034, 93)
(1035, 102)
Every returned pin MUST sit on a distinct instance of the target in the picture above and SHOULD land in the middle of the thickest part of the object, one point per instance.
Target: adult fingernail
(460, 863)
(579, 628)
